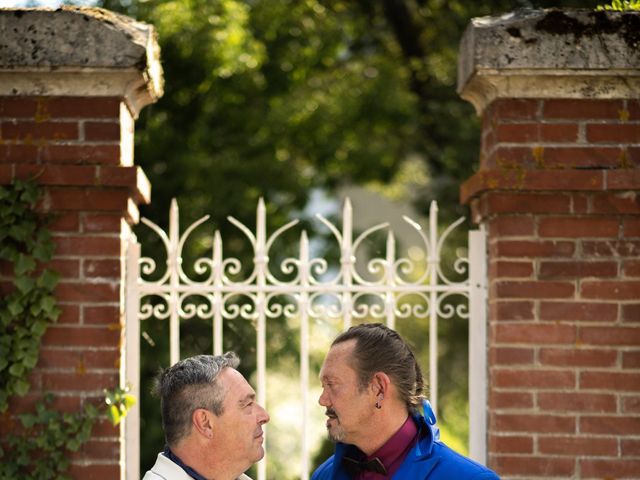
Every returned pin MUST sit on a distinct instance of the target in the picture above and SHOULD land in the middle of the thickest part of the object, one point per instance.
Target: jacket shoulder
(451, 462)
(323, 472)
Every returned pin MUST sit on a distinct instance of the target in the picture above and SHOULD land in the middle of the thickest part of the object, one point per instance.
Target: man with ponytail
(373, 393)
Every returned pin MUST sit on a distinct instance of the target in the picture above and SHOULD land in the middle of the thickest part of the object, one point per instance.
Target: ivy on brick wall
(40, 448)
(29, 307)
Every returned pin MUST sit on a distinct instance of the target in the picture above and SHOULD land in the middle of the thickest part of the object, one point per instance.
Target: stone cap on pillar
(550, 54)
(79, 51)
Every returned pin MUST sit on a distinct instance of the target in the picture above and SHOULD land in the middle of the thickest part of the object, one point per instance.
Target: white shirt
(165, 469)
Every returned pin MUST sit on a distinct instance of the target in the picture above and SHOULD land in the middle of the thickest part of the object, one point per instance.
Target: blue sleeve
(323, 472)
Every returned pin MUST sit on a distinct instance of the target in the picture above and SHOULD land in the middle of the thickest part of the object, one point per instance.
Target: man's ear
(380, 383)
(203, 421)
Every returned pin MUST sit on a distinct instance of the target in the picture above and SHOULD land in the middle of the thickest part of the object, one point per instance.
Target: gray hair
(381, 349)
(188, 385)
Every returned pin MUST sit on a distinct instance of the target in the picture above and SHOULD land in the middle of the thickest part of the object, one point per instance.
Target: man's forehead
(235, 384)
(338, 358)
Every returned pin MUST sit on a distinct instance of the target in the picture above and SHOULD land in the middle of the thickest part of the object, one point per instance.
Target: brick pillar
(558, 190)
(72, 81)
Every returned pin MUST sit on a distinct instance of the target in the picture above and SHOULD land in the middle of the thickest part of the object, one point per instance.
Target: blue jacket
(428, 459)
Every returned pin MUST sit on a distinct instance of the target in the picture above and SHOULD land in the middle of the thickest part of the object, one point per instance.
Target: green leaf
(48, 304)
(48, 279)
(21, 387)
(15, 308)
(24, 264)
(24, 284)
(16, 369)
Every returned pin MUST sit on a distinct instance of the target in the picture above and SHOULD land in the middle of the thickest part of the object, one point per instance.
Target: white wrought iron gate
(389, 281)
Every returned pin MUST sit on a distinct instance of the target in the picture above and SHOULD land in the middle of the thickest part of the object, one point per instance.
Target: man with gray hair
(211, 420)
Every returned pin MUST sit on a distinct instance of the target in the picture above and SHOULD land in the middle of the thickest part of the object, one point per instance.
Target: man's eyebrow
(250, 397)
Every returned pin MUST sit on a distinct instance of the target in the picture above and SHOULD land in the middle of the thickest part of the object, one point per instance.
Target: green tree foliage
(278, 98)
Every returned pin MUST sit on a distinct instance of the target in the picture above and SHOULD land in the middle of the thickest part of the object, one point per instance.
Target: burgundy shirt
(393, 452)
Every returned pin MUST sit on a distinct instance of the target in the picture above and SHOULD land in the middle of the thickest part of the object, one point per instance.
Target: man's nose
(264, 416)
(323, 400)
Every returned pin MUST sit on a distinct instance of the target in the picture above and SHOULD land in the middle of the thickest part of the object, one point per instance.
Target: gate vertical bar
(173, 263)
(390, 281)
(347, 260)
(217, 295)
(304, 351)
(261, 361)
(433, 305)
(478, 345)
(132, 360)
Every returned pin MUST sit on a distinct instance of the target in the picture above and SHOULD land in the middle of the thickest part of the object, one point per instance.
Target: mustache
(330, 412)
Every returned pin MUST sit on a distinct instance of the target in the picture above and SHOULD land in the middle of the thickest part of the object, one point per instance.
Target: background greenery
(283, 98)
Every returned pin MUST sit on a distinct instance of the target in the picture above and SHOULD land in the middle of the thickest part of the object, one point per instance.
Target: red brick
(577, 446)
(97, 131)
(67, 268)
(613, 133)
(630, 447)
(633, 108)
(517, 132)
(87, 245)
(578, 227)
(102, 268)
(613, 203)
(582, 109)
(59, 174)
(631, 313)
(510, 400)
(610, 290)
(19, 107)
(533, 423)
(614, 468)
(578, 269)
(579, 311)
(572, 357)
(70, 314)
(580, 157)
(98, 450)
(533, 333)
(514, 109)
(528, 203)
(87, 199)
(87, 336)
(83, 107)
(513, 311)
(621, 248)
(79, 360)
(100, 315)
(76, 382)
(511, 355)
(18, 153)
(87, 292)
(631, 359)
(92, 154)
(633, 156)
(33, 131)
(104, 428)
(631, 404)
(623, 179)
(516, 378)
(510, 444)
(508, 158)
(504, 269)
(610, 381)
(534, 289)
(580, 204)
(508, 226)
(616, 336)
(631, 227)
(576, 402)
(65, 222)
(533, 248)
(95, 471)
(631, 268)
(528, 466)
(103, 223)
(558, 132)
(610, 425)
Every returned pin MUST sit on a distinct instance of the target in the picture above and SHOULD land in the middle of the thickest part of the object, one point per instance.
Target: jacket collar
(419, 461)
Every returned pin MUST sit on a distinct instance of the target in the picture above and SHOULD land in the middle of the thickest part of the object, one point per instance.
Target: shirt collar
(397, 444)
(190, 471)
